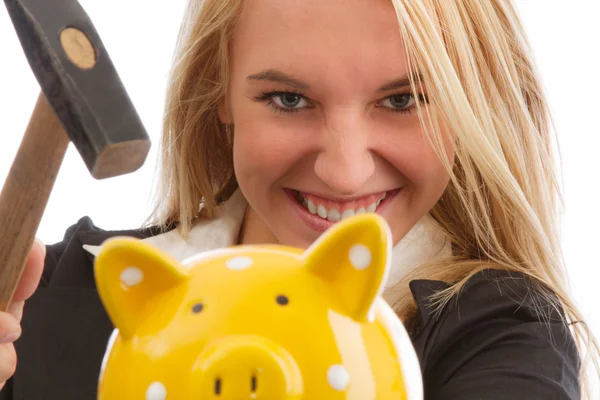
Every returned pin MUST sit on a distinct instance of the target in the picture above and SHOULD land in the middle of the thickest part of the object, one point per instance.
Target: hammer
(82, 100)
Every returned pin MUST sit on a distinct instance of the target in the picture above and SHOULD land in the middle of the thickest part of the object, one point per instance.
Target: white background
(140, 35)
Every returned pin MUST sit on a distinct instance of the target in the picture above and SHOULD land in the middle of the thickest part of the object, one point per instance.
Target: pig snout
(248, 367)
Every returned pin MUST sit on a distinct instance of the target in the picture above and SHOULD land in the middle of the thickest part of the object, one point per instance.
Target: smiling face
(324, 120)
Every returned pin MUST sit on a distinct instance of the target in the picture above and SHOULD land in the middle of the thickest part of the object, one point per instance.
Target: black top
(488, 343)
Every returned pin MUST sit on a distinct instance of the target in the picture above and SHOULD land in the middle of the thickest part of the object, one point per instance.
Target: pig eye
(282, 300)
(197, 308)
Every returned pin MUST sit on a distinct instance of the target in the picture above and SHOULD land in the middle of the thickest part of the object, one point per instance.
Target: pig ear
(353, 257)
(128, 273)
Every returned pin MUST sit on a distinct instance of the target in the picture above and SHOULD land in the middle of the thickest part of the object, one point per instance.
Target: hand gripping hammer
(82, 100)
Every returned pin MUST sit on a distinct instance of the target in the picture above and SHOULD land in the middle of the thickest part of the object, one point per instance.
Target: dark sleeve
(501, 340)
(53, 255)
(7, 393)
(55, 251)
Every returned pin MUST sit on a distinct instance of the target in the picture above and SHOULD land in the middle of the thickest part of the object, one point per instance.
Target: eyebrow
(400, 83)
(273, 75)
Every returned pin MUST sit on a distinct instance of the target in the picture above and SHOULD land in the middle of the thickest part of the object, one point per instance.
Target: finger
(16, 310)
(32, 272)
(10, 329)
(8, 361)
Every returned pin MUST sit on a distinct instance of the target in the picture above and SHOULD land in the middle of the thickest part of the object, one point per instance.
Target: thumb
(32, 273)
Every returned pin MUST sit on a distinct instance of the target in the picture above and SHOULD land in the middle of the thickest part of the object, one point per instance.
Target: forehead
(339, 38)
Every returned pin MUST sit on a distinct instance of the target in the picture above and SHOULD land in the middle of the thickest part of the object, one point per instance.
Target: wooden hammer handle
(26, 192)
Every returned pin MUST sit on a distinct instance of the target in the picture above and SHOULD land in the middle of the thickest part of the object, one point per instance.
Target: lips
(334, 211)
(316, 221)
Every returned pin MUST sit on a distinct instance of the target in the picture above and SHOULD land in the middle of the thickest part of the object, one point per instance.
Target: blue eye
(402, 103)
(288, 100)
(285, 101)
(399, 101)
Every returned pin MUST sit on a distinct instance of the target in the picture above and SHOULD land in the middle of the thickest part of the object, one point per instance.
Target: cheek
(409, 151)
(262, 147)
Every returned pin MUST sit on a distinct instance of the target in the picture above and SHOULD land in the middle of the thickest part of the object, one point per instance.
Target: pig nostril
(218, 386)
(253, 384)
(282, 300)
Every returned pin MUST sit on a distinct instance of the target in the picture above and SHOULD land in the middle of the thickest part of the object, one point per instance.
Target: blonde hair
(472, 58)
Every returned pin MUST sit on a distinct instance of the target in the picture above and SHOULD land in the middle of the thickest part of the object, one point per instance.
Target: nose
(248, 368)
(346, 162)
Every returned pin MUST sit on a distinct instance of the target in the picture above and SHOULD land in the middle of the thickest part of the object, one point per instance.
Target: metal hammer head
(81, 84)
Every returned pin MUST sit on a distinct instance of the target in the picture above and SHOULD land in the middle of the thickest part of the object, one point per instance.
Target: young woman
(284, 117)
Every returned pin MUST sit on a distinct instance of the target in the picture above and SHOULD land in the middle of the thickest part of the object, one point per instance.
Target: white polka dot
(338, 377)
(360, 256)
(132, 276)
(156, 391)
(238, 263)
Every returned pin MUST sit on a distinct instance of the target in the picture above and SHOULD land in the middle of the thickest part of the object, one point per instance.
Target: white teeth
(322, 211)
(311, 207)
(333, 215)
(347, 214)
(336, 215)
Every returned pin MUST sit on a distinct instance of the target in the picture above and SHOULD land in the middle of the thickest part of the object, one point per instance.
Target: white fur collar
(422, 243)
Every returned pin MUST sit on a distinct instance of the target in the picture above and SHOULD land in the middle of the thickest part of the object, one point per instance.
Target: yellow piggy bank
(256, 322)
